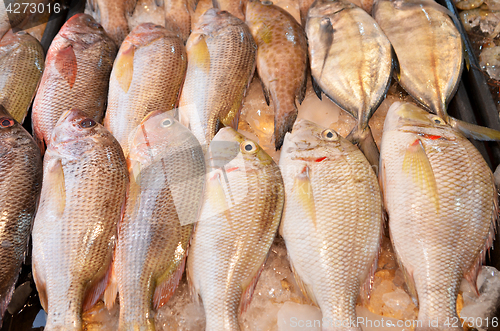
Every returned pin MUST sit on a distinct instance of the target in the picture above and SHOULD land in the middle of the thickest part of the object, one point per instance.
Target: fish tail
(363, 138)
(131, 324)
(285, 115)
(474, 131)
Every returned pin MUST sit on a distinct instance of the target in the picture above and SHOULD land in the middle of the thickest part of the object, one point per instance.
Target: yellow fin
(417, 166)
(198, 53)
(124, 67)
(216, 194)
(303, 187)
(265, 34)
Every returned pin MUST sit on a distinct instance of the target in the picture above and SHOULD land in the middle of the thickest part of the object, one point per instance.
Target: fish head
(410, 118)
(230, 149)
(214, 20)
(14, 38)
(83, 30)
(9, 131)
(158, 132)
(75, 133)
(309, 141)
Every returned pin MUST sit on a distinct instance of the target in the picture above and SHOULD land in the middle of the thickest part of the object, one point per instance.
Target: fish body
(76, 75)
(357, 80)
(429, 49)
(441, 200)
(21, 173)
(332, 220)
(75, 228)
(147, 75)
(21, 67)
(240, 215)
(178, 16)
(167, 176)
(221, 62)
(113, 15)
(234, 7)
(276, 32)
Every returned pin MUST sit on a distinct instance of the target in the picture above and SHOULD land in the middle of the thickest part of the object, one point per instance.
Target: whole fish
(84, 185)
(332, 220)
(178, 16)
(167, 176)
(357, 80)
(221, 62)
(276, 32)
(442, 204)
(234, 7)
(240, 215)
(21, 172)
(147, 75)
(112, 14)
(76, 75)
(429, 50)
(21, 67)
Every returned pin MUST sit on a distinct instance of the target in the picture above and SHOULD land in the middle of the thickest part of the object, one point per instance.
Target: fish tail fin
(285, 115)
(474, 131)
(366, 143)
(96, 290)
(166, 289)
(246, 297)
(111, 291)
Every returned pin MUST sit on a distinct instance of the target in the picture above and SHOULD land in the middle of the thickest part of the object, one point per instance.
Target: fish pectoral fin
(55, 181)
(96, 289)
(41, 286)
(304, 288)
(265, 33)
(304, 191)
(249, 287)
(417, 166)
(167, 286)
(123, 68)
(66, 64)
(199, 52)
(474, 131)
(111, 291)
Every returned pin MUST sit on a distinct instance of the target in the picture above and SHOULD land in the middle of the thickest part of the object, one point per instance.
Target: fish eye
(6, 122)
(330, 135)
(267, 2)
(437, 120)
(166, 123)
(249, 146)
(87, 123)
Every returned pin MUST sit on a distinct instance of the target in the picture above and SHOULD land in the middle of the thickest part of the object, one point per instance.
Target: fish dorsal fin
(167, 285)
(304, 288)
(124, 67)
(249, 287)
(66, 64)
(96, 289)
(111, 291)
(302, 185)
(417, 167)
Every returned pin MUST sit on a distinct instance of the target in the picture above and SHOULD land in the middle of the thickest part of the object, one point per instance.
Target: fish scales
(441, 200)
(332, 219)
(147, 75)
(75, 228)
(76, 75)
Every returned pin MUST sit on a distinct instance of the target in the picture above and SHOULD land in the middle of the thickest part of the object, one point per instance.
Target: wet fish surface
(240, 215)
(21, 67)
(147, 76)
(178, 16)
(112, 14)
(357, 80)
(167, 177)
(21, 173)
(76, 75)
(221, 62)
(283, 79)
(75, 229)
(332, 220)
(442, 204)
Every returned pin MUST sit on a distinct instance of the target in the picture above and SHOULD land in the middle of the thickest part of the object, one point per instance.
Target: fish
(304, 6)
(85, 179)
(441, 200)
(178, 16)
(239, 218)
(221, 62)
(332, 219)
(113, 15)
(234, 7)
(276, 32)
(21, 172)
(167, 178)
(21, 66)
(76, 75)
(201, 8)
(430, 56)
(147, 75)
(357, 80)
